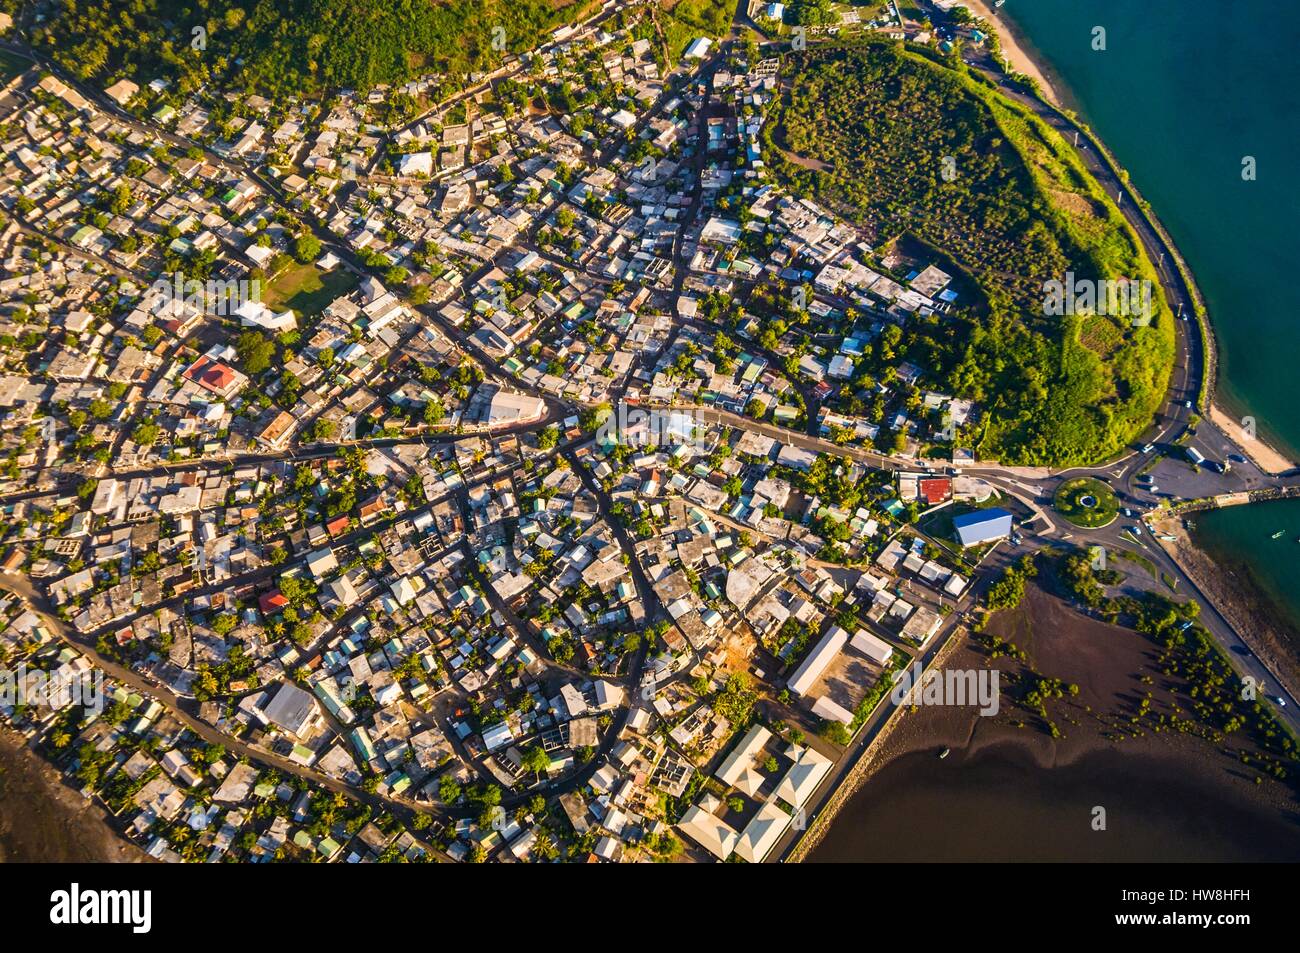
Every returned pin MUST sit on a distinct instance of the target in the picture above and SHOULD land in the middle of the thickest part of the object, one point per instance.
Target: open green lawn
(691, 19)
(11, 65)
(305, 288)
(1086, 502)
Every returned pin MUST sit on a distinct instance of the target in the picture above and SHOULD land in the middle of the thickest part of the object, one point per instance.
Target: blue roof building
(982, 526)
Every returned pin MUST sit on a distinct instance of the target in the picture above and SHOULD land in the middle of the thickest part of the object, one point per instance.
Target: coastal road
(1186, 383)
(1189, 387)
(1119, 536)
(848, 764)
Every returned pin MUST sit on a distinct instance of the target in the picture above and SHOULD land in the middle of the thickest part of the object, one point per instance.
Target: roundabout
(1086, 502)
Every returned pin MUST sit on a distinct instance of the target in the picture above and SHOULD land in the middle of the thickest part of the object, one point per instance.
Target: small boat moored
(944, 753)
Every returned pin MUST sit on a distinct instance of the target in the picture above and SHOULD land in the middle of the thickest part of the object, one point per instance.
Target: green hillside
(866, 130)
(297, 46)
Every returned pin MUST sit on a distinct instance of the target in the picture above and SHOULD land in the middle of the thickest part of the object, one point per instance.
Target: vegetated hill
(879, 119)
(297, 46)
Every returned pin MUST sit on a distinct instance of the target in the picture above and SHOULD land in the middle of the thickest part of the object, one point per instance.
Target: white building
(811, 668)
(416, 163)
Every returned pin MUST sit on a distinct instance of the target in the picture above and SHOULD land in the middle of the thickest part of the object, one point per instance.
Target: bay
(1183, 94)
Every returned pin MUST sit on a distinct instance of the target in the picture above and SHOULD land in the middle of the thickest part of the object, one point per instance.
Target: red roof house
(271, 602)
(934, 490)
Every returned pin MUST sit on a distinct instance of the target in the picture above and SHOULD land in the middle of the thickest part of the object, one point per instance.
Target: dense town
(387, 478)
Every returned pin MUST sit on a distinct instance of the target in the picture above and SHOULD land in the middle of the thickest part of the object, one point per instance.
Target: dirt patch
(1079, 206)
(807, 162)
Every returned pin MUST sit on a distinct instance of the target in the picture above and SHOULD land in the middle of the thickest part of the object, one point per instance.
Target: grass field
(306, 289)
(687, 20)
(1086, 502)
(1138, 560)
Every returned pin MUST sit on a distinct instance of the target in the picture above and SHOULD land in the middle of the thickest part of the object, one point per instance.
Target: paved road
(1185, 385)
(183, 710)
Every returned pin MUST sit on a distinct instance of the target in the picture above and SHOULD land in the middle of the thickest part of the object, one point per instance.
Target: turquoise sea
(1241, 540)
(1182, 94)
(1184, 90)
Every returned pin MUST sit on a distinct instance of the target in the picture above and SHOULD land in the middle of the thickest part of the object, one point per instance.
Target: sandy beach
(1265, 457)
(1013, 49)
(1109, 665)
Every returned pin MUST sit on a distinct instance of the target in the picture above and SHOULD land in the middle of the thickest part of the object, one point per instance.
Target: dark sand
(43, 820)
(1014, 793)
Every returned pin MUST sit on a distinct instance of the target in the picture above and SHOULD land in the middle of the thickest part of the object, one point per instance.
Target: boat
(944, 753)
(1278, 534)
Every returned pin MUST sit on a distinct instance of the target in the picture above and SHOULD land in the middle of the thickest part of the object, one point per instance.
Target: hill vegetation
(907, 145)
(294, 47)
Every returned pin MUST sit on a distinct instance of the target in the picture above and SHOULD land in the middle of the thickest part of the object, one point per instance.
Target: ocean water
(1241, 539)
(998, 806)
(1183, 94)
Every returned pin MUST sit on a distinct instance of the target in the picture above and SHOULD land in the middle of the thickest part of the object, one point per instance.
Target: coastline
(1240, 600)
(43, 820)
(1269, 459)
(929, 730)
(1013, 48)
(876, 756)
(1108, 663)
(1223, 412)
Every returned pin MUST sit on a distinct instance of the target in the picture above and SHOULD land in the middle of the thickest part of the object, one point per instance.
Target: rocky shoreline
(1239, 600)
